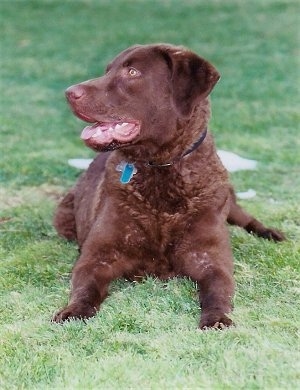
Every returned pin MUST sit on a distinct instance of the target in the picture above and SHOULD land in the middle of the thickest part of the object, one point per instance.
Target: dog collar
(128, 170)
(190, 150)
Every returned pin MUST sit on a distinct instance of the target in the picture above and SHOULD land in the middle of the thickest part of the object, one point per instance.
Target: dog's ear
(192, 78)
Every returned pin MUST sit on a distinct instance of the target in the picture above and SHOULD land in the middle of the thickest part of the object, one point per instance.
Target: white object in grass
(247, 194)
(233, 162)
(80, 163)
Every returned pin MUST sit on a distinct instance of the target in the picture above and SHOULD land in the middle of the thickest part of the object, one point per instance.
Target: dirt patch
(13, 198)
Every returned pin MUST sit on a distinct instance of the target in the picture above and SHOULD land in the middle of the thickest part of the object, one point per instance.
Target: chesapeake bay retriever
(158, 202)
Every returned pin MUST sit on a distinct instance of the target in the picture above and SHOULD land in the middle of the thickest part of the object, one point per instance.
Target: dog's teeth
(120, 125)
(110, 129)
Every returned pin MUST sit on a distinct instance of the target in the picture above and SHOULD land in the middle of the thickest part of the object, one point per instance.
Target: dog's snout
(75, 92)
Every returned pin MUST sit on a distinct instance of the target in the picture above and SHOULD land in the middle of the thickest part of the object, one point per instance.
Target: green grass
(146, 334)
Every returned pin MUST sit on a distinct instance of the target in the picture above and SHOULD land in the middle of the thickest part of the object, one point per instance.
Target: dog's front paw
(215, 320)
(74, 312)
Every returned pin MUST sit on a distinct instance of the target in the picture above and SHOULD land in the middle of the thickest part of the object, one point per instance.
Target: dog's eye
(133, 72)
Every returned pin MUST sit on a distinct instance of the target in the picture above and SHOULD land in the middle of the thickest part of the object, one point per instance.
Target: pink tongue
(90, 131)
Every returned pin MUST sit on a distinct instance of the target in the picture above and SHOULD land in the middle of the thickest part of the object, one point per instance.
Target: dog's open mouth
(110, 135)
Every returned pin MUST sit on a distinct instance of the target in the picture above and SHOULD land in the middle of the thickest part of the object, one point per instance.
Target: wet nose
(75, 92)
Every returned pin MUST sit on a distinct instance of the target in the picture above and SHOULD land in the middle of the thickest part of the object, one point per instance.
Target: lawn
(145, 336)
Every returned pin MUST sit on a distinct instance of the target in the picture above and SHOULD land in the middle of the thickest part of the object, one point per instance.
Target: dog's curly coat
(169, 217)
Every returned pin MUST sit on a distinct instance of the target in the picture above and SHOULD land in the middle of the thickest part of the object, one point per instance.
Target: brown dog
(158, 204)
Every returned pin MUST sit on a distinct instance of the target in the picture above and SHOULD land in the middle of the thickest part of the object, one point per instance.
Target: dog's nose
(75, 92)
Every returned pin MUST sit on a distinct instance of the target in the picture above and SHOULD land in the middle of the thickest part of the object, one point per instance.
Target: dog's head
(144, 93)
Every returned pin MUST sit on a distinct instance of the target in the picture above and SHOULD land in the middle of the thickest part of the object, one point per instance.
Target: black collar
(190, 150)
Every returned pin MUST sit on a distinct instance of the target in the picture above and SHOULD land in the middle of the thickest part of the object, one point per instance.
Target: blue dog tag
(127, 171)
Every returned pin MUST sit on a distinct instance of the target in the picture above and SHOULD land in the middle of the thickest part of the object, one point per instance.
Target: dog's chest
(160, 191)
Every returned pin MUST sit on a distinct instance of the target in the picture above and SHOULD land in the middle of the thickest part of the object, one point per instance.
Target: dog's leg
(238, 216)
(64, 218)
(216, 289)
(205, 256)
(91, 277)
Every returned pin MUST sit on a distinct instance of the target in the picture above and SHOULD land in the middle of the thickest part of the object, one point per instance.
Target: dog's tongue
(95, 131)
(105, 133)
